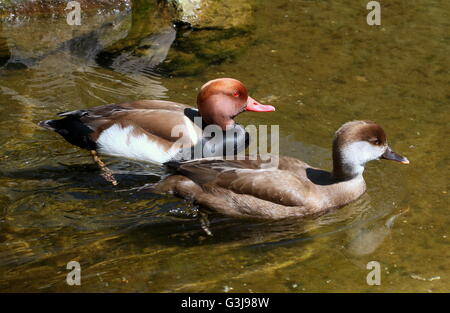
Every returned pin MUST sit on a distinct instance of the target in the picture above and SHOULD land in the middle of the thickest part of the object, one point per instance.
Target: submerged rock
(171, 37)
(149, 37)
(21, 9)
(5, 54)
(33, 30)
(195, 50)
(150, 53)
(209, 32)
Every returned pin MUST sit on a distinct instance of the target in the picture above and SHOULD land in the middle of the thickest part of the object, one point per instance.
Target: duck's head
(220, 100)
(358, 142)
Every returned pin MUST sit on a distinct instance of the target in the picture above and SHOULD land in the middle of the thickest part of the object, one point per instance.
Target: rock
(127, 40)
(20, 9)
(150, 53)
(210, 33)
(140, 38)
(193, 51)
(32, 30)
(5, 54)
(148, 31)
(214, 31)
(223, 14)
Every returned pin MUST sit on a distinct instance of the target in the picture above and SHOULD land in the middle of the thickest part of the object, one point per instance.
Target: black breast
(215, 142)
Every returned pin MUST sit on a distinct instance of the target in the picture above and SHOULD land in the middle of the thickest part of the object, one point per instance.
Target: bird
(159, 131)
(278, 187)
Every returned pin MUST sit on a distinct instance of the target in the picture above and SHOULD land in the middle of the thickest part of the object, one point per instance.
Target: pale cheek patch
(360, 152)
(122, 142)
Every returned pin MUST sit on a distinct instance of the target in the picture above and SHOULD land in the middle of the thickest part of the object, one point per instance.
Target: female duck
(292, 188)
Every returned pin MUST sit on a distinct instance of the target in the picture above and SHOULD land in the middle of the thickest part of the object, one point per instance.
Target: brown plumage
(286, 188)
(144, 129)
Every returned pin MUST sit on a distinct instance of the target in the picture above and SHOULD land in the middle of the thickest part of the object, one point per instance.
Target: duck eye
(236, 94)
(374, 141)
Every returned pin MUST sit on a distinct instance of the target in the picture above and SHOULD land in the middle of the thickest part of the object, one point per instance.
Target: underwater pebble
(227, 288)
(361, 79)
(414, 276)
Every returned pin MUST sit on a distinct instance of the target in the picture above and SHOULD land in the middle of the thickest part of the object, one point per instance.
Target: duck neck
(345, 166)
(202, 122)
(223, 122)
(345, 191)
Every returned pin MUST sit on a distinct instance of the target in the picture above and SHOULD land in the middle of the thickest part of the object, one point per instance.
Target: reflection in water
(157, 47)
(55, 207)
(368, 235)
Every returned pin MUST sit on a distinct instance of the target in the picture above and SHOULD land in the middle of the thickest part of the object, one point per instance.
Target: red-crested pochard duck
(291, 188)
(159, 131)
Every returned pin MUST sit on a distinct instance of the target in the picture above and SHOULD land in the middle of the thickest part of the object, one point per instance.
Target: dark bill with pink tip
(391, 155)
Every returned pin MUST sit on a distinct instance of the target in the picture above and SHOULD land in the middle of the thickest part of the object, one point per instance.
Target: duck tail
(48, 124)
(73, 130)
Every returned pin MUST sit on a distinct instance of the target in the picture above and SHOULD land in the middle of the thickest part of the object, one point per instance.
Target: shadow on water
(82, 182)
(69, 210)
(161, 215)
(84, 217)
(317, 62)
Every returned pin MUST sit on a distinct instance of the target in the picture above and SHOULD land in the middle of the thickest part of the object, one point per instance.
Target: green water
(321, 65)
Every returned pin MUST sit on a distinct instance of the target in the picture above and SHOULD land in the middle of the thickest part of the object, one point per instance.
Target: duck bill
(255, 106)
(391, 155)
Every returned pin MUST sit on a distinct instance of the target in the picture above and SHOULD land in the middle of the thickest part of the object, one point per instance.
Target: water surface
(321, 65)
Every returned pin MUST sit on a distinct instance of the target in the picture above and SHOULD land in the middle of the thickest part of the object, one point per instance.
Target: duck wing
(249, 177)
(152, 118)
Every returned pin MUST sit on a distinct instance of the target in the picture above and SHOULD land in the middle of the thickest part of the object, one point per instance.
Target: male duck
(159, 131)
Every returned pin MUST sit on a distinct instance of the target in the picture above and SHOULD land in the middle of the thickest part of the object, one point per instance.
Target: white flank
(192, 133)
(119, 141)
